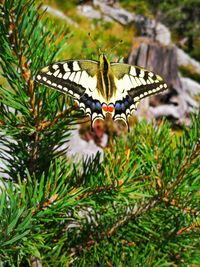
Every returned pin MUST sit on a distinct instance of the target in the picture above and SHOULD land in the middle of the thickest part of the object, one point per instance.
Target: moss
(190, 72)
(138, 6)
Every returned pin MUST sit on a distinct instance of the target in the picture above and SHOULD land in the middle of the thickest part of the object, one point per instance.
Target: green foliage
(189, 71)
(30, 118)
(138, 6)
(183, 17)
(139, 207)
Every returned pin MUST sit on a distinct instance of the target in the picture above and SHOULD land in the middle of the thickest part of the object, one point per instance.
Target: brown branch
(2, 123)
(26, 73)
(43, 125)
(122, 222)
(188, 229)
(174, 203)
(188, 162)
(132, 216)
(46, 204)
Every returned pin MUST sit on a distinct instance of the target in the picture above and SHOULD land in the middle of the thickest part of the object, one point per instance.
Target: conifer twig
(110, 232)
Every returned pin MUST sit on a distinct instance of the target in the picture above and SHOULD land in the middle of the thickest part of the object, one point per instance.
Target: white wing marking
(143, 81)
(133, 81)
(71, 77)
(91, 83)
(66, 75)
(151, 74)
(77, 77)
(141, 73)
(84, 78)
(76, 66)
(55, 66)
(56, 73)
(138, 81)
(66, 68)
(136, 98)
(126, 82)
(133, 71)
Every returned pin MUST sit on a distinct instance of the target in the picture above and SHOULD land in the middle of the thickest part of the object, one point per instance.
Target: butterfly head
(104, 62)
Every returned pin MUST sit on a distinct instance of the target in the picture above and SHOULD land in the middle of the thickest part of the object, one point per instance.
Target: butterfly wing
(132, 84)
(78, 78)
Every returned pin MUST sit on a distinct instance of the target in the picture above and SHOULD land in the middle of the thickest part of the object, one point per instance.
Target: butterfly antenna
(95, 43)
(114, 47)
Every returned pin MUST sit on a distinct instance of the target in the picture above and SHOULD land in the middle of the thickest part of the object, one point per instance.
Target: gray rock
(91, 13)
(79, 149)
(59, 14)
(190, 86)
(146, 26)
(185, 60)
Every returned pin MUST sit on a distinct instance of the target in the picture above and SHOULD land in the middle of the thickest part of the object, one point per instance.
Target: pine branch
(35, 119)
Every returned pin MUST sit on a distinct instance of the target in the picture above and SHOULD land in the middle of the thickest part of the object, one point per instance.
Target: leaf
(16, 238)
(14, 220)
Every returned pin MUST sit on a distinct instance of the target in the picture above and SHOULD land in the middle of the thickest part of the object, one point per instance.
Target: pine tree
(139, 207)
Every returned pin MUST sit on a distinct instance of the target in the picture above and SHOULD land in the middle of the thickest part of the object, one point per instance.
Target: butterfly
(101, 87)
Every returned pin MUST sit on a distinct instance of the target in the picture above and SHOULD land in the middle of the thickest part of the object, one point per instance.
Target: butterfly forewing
(78, 78)
(69, 76)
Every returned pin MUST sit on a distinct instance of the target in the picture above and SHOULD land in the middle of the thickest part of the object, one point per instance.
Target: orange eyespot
(108, 108)
(105, 107)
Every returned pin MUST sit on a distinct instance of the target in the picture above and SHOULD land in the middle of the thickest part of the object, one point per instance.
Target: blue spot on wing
(93, 104)
(98, 105)
(122, 105)
(117, 106)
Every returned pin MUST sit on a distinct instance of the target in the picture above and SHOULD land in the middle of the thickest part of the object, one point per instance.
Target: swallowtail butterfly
(101, 87)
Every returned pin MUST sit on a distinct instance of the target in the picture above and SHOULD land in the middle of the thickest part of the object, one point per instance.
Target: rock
(190, 86)
(177, 103)
(165, 110)
(118, 13)
(59, 14)
(91, 13)
(143, 110)
(145, 26)
(79, 149)
(185, 60)
(154, 30)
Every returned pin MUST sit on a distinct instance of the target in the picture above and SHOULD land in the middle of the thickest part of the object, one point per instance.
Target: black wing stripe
(60, 84)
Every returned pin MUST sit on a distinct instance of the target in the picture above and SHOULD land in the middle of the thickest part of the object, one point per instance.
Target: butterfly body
(101, 87)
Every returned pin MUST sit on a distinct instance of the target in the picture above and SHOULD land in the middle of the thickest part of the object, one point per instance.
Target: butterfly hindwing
(132, 84)
(92, 107)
